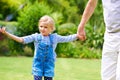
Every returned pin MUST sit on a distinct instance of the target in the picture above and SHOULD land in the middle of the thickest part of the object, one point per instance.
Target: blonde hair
(47, 20)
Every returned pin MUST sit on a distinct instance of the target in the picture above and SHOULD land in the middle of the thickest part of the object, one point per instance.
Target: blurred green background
(21, 18)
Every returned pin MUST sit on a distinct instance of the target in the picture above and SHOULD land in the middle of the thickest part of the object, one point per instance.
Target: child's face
(45, 29)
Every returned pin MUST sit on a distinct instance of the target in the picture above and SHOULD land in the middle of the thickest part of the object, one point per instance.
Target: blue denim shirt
(44, 54)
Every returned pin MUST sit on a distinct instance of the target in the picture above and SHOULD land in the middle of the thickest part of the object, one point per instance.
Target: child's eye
(45, 27)
(41, 26)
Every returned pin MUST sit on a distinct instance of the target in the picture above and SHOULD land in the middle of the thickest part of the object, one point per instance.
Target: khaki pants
(110, 65)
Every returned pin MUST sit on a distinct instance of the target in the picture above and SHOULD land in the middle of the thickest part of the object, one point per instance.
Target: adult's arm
(85, 17)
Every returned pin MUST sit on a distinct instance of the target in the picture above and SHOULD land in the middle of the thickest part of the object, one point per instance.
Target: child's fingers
(82, 37)
(0, 29)
(3, 29)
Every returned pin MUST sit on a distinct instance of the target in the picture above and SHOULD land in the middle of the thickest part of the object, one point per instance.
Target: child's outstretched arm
(16, 38)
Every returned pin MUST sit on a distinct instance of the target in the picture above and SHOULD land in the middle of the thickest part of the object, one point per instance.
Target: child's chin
(45, 34)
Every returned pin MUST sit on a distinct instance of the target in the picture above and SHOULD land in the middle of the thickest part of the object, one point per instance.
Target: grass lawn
(19, 68)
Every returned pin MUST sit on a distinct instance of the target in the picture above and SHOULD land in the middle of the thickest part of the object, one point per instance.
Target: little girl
(45, 44)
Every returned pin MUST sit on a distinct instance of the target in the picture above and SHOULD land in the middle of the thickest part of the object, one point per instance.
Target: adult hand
(81, 33)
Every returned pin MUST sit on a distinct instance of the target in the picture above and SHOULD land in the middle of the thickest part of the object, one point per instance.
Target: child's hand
(2, 30)
(81, 37)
